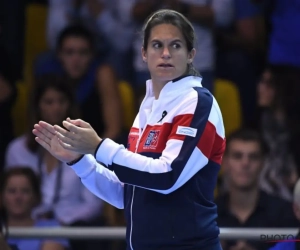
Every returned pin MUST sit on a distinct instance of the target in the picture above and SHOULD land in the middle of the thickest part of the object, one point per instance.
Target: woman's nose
(166, 53)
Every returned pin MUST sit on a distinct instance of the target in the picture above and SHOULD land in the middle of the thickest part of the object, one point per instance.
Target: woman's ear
(144, 54)
(191, 55)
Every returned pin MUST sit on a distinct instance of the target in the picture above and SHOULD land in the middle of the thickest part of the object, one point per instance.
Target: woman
(165, 178)
(63, 195)
(3, 232)
(20, 193)
(278, 98)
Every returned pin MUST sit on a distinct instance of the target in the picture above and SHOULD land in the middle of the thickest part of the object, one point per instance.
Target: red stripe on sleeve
(218, 149)
(211, 146)
(180, 120)
(206, 141)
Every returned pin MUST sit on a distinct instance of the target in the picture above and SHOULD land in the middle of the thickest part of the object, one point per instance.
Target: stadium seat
(34, 44)
(228, 98)
(20, 110)
(127, 98)
(35, 37)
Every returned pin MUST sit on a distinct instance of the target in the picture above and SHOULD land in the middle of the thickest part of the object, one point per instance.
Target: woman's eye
(176, 46)
(156, 45)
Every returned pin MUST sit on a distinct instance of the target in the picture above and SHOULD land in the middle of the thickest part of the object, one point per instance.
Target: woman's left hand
(79, 136)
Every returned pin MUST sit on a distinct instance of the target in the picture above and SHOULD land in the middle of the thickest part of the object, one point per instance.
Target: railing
(119, 233)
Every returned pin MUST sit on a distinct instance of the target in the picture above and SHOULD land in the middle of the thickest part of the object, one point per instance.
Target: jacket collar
(174, 87)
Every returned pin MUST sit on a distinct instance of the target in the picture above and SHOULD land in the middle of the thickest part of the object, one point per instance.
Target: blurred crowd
(95, 45)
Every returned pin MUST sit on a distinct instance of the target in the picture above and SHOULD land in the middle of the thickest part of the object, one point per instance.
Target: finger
(65, 145)
(72, 128)
(47, 126)
(43, 143)
(42, 131)
(64, 132)
(65, 139)
(41, 136)
(79, 123)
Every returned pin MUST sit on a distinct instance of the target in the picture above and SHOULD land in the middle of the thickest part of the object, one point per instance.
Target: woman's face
(18, 196)
(53, 106)
(166, 55)
(266, 91)
(75, 55)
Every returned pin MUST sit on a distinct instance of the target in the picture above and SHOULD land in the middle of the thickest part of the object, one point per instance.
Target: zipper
(141, 131)
(131, 218)
(131, 226)
(130, 238)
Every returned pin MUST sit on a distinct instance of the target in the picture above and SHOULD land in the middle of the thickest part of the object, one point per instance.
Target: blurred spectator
(292, 245)
(94, 81)
(20, 193)
(4, 230)
(245, 204)
(8, 94)
(102, 17)
(241, 53)
(278, 94)
(284, 39)
(205, 15)
(63, 195)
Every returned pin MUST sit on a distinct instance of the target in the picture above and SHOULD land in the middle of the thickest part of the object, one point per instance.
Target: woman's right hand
(46, 137)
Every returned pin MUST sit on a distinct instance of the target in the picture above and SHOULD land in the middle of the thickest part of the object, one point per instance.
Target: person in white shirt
(63, 195)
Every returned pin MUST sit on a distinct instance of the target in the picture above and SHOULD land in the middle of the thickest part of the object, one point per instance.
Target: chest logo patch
(151, 140)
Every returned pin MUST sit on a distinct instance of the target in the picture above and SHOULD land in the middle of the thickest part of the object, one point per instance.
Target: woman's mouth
(165, 65)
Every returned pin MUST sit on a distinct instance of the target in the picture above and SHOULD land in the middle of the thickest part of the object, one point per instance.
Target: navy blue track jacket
(165, 178)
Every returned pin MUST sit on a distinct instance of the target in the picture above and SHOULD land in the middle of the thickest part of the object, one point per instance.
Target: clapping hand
(78, 136)
(47, 138)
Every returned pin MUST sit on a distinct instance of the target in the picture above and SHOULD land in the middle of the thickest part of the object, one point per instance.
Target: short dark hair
(247, 135)
(75, 30)
(166, 16)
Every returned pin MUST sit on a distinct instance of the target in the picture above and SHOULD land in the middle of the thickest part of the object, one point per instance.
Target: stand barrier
(114, 233)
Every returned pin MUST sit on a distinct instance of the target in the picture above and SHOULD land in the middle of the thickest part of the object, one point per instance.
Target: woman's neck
(21, 221)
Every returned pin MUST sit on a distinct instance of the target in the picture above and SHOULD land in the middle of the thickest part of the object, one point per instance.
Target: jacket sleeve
(100, 181)
(196, 138)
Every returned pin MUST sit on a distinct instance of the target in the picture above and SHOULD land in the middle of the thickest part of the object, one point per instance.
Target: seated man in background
(244, 204)
(94, 80)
